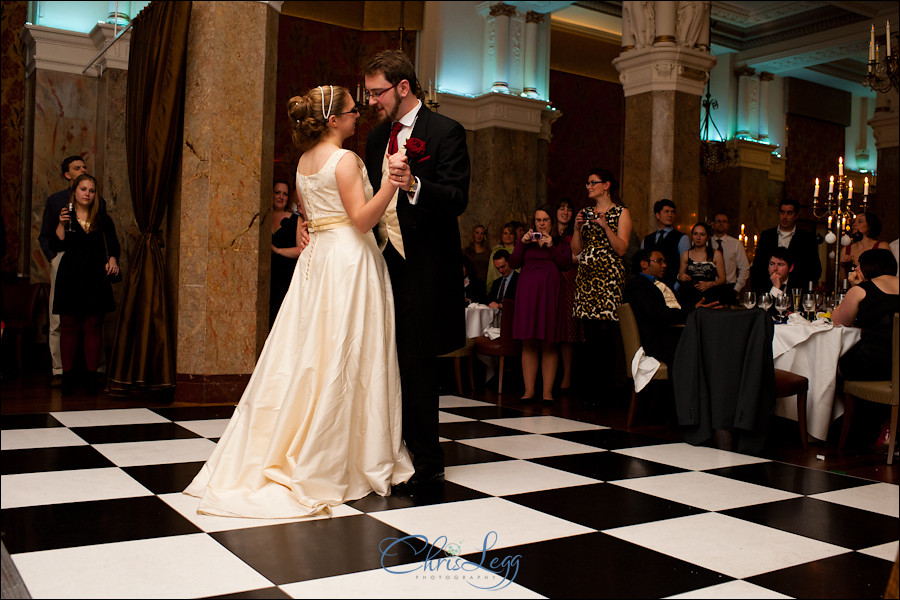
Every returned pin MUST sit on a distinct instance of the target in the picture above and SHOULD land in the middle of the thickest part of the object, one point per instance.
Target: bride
(320, 423)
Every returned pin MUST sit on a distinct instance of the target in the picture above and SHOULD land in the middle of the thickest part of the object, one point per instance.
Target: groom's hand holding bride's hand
(398, 170)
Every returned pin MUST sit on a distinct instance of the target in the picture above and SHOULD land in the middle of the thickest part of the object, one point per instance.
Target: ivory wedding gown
(320, 421)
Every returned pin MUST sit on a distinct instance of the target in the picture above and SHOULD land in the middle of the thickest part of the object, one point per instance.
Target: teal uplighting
(78, 16)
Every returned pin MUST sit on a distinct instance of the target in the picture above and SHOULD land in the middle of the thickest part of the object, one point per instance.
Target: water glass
(748, 299)
(766, 301)
(809, 303)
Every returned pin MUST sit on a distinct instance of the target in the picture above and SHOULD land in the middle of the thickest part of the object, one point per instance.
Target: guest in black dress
(83, 291)
(870, 305)
(285, 248)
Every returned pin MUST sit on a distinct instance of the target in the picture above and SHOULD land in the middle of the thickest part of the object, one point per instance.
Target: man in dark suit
(802, 244)
(505, 285)
(668, 240)
(655, 315)
(419, 235)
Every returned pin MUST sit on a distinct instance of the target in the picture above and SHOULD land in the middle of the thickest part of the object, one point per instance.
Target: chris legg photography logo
(442, 561)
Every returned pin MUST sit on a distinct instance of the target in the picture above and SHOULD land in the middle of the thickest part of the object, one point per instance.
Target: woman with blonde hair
(320, 421)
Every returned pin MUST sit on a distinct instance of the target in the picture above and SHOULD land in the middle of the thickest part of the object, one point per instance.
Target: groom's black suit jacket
(430, 230)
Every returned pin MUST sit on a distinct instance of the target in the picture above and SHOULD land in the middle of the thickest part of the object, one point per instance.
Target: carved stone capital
(744, 71)
(534, 17)
(664, 69)
(765, 76)
(502, 10)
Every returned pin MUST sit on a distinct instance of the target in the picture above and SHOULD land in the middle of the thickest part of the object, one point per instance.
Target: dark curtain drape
(143, 356)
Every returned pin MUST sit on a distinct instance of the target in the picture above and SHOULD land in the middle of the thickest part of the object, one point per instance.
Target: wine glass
(766, 301)
(782, 303)
(809, 303)
(748, 299)
(797, 297)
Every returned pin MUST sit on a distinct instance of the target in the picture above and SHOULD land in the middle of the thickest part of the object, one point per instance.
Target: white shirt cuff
(415, 197)
(775, 291)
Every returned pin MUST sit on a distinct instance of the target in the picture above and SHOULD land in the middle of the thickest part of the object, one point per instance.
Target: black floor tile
(790, 478)
(322, 548)
(35, 460)
(165, 479)
(597, 565)
(603, 505)
(611, 439)
(272, 592)
(34, 421)
(850, 575)
(842, 526)
(195, 413)
(141, 432)
(435, 494)
(457, 453)
(34, 528)
(606, 466)
(474, 429)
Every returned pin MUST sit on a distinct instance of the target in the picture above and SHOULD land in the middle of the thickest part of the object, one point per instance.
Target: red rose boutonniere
(415, 150)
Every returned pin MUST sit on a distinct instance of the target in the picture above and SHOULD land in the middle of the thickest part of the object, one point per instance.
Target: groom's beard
(391, 116)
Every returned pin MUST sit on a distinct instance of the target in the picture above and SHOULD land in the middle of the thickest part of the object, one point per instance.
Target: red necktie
(392, 144)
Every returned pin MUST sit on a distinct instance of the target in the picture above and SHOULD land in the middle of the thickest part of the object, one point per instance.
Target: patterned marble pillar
(498, 45)
(223, 236)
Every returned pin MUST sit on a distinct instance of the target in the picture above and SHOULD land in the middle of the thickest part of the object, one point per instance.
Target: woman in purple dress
(539, 320)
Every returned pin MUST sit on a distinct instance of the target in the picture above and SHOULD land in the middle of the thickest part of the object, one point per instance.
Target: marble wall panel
(635, 186)
(12, 134)
(229, 340)
(192, 337)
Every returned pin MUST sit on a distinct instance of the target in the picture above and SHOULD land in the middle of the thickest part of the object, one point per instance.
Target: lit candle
(358, 93)
(887, 30)
(831, 185)
(850, 190)
(816, 193)
(866, 187)
(872, 46)
(742, 229)
(841, 166)
(829, 222)
(754, 239)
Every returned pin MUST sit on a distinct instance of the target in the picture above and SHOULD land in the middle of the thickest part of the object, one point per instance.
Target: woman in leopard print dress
(601, 242)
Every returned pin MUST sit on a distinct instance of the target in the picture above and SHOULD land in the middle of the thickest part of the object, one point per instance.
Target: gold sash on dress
(326, 223)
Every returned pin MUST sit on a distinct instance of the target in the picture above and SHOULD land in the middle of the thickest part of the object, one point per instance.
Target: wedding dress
(319, 423)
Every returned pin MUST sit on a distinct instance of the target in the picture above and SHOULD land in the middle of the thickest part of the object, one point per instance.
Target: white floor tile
(738, 590)
(47, 437)
(132, 454)
(58, 487)
(208, 428)
(685, 456)
(508, 477)
(473, 525)
(727, 545)
(529, 446)
(460, 402)
(187, 507)
(119, 416)
(544, 424)
(882, 498)
(186, 566)
(445, 417)
(886, 551)
(467, 581)
(706, 491)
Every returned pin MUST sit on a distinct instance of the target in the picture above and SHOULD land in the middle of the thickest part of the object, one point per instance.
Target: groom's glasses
(379, 93)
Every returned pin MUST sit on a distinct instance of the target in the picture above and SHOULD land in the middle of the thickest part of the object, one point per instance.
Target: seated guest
(865, 231)
(702, 269)
(505, 286)
(870, 305)
(508, 243)
(646, 293)
(474, 287)
(781, 279)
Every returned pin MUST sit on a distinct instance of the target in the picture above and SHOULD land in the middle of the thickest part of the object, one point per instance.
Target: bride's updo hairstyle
(309, 113)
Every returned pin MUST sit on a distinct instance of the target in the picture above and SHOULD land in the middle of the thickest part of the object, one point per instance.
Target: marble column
(498, 45)
(223, 213)
(532, 19)
(887, 141)
(763, 103)
(862, 142)
(748, 95)
(663, 85)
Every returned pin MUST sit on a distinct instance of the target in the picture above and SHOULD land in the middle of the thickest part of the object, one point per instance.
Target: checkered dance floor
(533, 506)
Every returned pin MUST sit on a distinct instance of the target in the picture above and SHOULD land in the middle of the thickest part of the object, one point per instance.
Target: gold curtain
(143, 355)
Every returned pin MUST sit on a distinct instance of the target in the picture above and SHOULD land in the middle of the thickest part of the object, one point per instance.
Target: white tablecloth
(813, 350)
(478, 318)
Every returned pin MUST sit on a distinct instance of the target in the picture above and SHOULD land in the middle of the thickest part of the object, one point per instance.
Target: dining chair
(882, 392)
(631, 341)
(457, 355)
(790, 384)
(23, 304)
(504, 346)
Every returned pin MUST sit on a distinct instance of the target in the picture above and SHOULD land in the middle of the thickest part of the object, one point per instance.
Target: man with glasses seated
(654, 306)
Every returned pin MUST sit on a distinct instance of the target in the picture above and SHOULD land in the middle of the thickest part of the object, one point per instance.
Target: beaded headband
(327, 114)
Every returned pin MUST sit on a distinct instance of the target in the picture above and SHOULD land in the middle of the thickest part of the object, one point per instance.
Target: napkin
(643, 368)
(492, 333)
(477, 305)
(796, 318)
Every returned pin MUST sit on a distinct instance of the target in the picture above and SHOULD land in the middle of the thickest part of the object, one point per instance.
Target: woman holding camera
(601, 236)
(539, 321)
(83, 292)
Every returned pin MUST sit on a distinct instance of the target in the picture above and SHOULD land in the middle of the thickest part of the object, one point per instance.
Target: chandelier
(882, 73)
(714, 155)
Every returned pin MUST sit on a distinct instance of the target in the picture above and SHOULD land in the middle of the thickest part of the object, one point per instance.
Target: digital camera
(589, 214)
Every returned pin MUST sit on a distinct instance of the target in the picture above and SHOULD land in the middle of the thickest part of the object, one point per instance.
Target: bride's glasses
(352, 110)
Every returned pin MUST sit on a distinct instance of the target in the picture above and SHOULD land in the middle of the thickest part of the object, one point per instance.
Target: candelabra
(838, 209)
(882, 74)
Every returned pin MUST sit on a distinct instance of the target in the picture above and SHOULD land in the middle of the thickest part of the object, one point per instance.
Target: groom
(419, 236)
